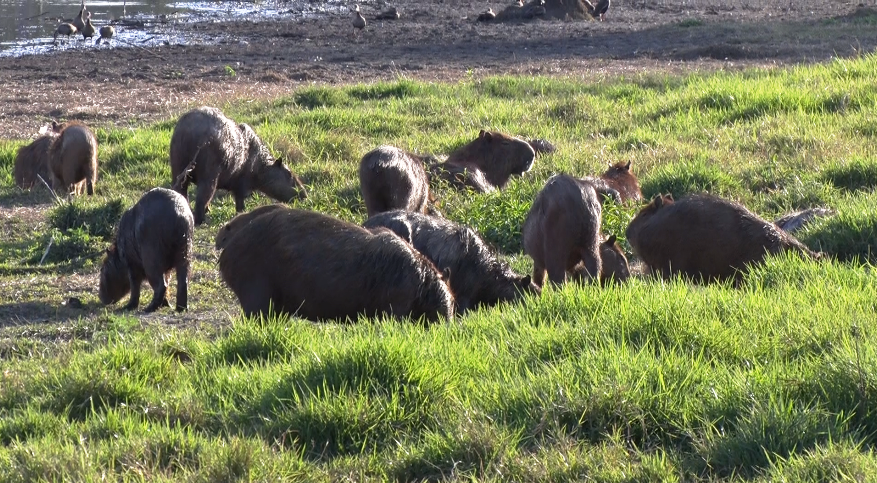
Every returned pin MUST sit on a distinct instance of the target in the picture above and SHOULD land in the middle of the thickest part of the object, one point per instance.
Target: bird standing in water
(357, 19)
(88, 30)
(106, 32)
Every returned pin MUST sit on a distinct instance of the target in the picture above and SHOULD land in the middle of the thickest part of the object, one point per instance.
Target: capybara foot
(155, 305)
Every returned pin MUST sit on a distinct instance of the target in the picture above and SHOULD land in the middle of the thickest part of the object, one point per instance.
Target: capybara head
(614, 264)
(619, 177)
(236, 224)
(272, 177)
(114, 281)
(497, 155)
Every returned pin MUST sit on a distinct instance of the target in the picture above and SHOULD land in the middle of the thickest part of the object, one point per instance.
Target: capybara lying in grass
(153, 238)
(73, 158)
(497, 155)
(562, 229)
(461, 178)
(32, 160)
(620, 178)
(704, 237)
(392, 179)
(211, 151)
(239, 222)
(318, 267)
(477, 275)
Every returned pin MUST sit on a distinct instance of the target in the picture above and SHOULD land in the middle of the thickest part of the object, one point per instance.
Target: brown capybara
(613, 263)
(153, 238)
(461, 178)
(393, 179)
(562, 229)
(73, 158)
(239, 222)
(620, 178)
(211, 151)
(32, 160)
(320, 268)
(704, 237)
(497, 155)
(477, 275)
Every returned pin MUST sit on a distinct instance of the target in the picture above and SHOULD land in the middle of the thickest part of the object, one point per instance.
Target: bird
(357, 19)
(88, 29)
(391, 13)
(519, 3)
(79, 20)
(600, 9)
(106, 32)
(67, 29)
(486, 16)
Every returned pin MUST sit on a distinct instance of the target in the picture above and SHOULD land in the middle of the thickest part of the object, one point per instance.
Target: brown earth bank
(436, 40)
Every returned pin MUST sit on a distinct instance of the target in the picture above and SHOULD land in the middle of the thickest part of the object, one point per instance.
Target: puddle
(27, 26)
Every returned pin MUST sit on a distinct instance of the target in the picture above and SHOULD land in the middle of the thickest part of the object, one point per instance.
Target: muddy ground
(433, 40)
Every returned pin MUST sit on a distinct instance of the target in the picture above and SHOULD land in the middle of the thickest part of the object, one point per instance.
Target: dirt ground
(433, 40)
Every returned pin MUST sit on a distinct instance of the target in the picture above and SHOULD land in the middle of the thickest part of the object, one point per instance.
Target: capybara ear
(670, 196)
(658, 200)
(446, 274)
(627, 166)
(484, 135)
(278, 161)
(611, 240)
(55, 126)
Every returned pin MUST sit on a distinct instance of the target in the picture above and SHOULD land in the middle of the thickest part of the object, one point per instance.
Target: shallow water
(28, 26)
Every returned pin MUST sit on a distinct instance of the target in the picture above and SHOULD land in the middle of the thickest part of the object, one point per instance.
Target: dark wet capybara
(392, 179)
(153, 238)
(239, 222)
(621, 178)
(704, 237)
(562, 229)
(477, 275)
(497, 155)
(321, 268)
(73, 158)
(32, 160)
(211, 151)
(461, 178)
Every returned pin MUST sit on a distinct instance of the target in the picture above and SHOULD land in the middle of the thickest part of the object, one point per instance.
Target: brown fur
(705, 237)
(460, 178)
(497, 155)
(73, 159)
(211, 151)
(154, 237)
(32, 160)
(239, 222)
(392, 179)
(621, 178)
(548, 9)
(318, 267)
(562, 229)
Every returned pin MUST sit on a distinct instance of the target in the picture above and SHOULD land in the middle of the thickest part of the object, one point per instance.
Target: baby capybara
(73, 158)
(153, 238)
(613, 263)
(392, 179)
(239, 222)
(477, 275)
(320, 268)
(562, 229)
(621, 178)
(495, 154)
(211, 151)
(32, 160)
(704, 237)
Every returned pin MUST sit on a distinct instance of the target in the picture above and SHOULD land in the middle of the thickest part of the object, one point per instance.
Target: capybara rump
(32, 160)
(392, 179)
(321, 268)
(73, 159)
(153, 238)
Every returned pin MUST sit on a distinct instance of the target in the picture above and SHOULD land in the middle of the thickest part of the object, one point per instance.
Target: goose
(106, 32)
(486, 16)
(88, 30)
(357, 19)
(67, 29)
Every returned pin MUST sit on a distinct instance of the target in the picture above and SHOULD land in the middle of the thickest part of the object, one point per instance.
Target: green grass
(646, 381)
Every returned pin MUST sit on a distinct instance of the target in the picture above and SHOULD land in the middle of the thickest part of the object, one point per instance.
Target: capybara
(562, 229)
(704, 237)
(73, 158)
(236, 224)
(620, 178)
(461, 178)
(794, 221)
(391, 179)
(153, 238)
(318, 267)
(477, 275)
(497, 155)
(613, 264)
(211, 151)
(32, 160)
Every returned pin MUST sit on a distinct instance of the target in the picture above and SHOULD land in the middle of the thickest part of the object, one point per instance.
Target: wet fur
(321, 268)
(154, 237)
(392, 179)
(239, 223)
(73, 159)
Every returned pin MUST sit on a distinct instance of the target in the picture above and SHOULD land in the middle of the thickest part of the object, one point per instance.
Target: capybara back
(32, 160)
(391, 179)
(239, 223)
(73, 159)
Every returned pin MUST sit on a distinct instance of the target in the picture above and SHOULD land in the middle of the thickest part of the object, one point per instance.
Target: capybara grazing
(562, 229)
(73, 158)
(391, 179)
(497, 155)
(704, 237)
(477, 275)
(320, 268)
(153, 238)
(211, 151)
(32, 160)
(461, 178)
(236, 224)
(613, 263)
(620, 178)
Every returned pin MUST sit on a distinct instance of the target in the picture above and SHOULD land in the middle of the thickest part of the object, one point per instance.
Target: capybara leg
(182, 286)
(591, 262)
(239, 201)
(89, 184)
(206, 190)
(134, 301)
(556, 271)
(159, 290)
(538, 274)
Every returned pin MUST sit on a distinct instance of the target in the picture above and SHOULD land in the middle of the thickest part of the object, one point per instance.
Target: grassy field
(646, 381)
